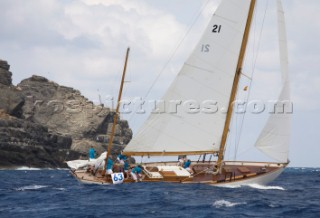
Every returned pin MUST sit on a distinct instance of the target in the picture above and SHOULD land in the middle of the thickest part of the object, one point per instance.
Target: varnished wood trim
(236, 83)
(133, 153)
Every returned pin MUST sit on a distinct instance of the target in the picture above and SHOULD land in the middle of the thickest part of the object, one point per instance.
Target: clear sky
(81, 43)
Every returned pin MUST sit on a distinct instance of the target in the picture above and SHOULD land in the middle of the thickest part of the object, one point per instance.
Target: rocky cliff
(24, 143)
(42, 124)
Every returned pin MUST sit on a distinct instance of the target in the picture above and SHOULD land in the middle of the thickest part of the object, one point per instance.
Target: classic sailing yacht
(212, 72)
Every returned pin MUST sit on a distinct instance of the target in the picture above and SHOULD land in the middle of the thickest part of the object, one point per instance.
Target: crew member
(109, 166)
(91, 153)
(136, 173)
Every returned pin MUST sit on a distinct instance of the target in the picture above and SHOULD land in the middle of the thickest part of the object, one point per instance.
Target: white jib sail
(205, 80)
(274, 139)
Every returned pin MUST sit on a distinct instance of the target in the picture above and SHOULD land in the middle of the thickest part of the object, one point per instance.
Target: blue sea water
(55, 193)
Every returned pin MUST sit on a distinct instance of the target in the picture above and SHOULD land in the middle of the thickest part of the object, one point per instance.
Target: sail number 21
(206, 47)
(216, 28)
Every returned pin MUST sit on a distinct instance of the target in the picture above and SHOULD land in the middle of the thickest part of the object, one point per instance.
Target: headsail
(205, 78)
(275, 137)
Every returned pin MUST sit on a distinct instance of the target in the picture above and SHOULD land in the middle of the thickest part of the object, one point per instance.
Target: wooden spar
(176, 153)
(115, 118)
(235, 84)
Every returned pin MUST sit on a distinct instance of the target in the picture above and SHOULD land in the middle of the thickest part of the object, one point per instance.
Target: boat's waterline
(231, 174)
(260, 180)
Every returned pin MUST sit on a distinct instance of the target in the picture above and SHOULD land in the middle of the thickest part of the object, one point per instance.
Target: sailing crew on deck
(181, 160)
(187, 166)
(109, 166)
(121, 158)
(136, 173)
(91, 153)
(126, 168)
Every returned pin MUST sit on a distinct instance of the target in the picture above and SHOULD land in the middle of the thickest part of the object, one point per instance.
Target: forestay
(274, 139)
(205, 78)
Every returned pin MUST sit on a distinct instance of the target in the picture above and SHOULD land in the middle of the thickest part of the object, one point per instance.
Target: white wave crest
(31, 187)
(224, 203)
(263, 187)
(27, 168)
(60, 189)
(231, 186)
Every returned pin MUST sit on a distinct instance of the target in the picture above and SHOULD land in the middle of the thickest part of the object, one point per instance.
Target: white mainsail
(274, 139)
(207, 75)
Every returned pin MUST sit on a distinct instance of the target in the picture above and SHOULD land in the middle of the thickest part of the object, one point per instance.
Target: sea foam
(256, 186)
(231, 186)
(27, 168)
(224, 203)
(263, 187)
(31, 187)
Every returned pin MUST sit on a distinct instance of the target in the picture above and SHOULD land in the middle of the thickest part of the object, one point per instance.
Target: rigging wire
(250, 83)
(237, 136)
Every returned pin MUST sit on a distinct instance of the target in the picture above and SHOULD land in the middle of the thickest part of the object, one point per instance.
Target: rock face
(5, 74)
(65, 111)
(11, 99)
(65, 120)
(29, 144)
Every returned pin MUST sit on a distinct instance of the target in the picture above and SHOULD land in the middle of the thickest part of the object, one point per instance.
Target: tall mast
(115, 117)
(235, 84)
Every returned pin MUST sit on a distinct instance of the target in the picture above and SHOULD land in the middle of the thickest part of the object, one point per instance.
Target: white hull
(263, 179)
